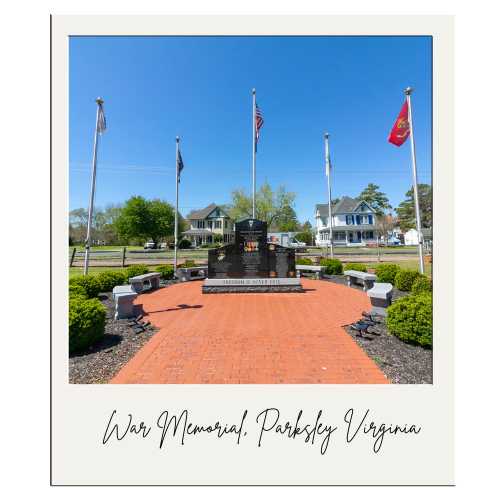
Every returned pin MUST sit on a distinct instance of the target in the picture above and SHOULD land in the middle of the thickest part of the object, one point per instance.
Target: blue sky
(199, 88)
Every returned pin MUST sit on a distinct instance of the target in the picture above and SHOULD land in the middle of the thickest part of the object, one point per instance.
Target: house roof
(204, 212)
(345, 205)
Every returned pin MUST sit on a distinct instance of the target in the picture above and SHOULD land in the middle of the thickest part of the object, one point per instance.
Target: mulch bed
(103, 360)
(402, 363)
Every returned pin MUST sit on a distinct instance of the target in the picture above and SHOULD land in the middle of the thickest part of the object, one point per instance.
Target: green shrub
(386, 273)
(109, 279)
(304, 261)
(77, 291)
(410, 319)
(188, 263)
(421, 284)
(87, 318)
(404, 279)
(89, 283)
(136, 270)
(166, 271)
(184, 244)
(333, 266)
(355, 266)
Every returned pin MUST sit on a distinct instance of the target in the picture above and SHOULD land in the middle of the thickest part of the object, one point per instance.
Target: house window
(218, 224)
(201, 224)
(370, 219)
(369, 235)
(349, 219)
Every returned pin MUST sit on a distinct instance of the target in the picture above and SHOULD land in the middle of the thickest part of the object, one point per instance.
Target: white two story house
(354, 223)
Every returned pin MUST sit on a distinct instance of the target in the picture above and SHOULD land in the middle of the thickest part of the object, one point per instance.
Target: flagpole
(176, 201)
(253, 153)
(99, 102)
(328, 170)
(408, 92)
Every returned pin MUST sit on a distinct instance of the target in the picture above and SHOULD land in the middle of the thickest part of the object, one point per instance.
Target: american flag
(180, 166)
(259, 121)
(101, 119)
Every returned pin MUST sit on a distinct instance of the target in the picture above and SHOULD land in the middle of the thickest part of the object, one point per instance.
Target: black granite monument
(251, 264)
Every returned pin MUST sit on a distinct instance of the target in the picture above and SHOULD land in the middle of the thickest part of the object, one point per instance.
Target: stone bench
(304, 268)
(151, 279)
(380, 297)
(124, 296)
(366, 279)
(192, 273)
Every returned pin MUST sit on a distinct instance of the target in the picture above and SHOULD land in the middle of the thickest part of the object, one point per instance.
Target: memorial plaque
(251, 264)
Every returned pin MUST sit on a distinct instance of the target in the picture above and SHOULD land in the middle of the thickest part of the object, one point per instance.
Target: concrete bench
(366, 279)
(124, 296)
(380, 297)
(304, 268)
(151, 279)
(192, 273)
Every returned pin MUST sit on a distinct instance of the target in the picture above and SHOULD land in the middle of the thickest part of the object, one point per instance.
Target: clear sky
(199, 88)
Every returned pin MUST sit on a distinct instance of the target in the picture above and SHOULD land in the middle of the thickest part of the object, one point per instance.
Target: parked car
(149, 245)
(393, 241)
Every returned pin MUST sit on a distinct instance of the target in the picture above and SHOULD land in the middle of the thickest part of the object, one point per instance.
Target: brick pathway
(252, 338)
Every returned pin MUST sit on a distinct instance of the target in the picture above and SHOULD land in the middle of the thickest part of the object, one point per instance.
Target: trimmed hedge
(184, 244)
(405, 278)
(87, 318)
(109, 279)
(410, 319)
(386, 273)
(89, 283)
(355, 266)
(77, 291)
(304, 261)
(166, 271)
(421, 284)
(188, 263)
(333, 266)
(136, 270)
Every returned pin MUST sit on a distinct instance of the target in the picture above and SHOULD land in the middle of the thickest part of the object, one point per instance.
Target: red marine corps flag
(401, 129)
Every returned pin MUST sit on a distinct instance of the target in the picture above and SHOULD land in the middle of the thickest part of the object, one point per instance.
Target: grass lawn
(105, 247)
(405, 264)
(76, 271)
(364, 250)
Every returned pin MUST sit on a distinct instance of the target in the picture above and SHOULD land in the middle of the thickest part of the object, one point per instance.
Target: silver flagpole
(328, 172)
(99, 102)
(176, 201)
(253, 154)
(408, 92)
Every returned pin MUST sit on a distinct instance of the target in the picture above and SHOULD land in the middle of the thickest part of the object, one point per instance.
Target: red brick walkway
(252, 338)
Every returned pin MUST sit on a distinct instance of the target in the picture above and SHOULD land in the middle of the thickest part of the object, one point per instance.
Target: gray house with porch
(209, 225)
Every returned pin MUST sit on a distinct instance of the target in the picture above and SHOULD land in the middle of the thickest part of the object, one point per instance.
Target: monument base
(252, 285)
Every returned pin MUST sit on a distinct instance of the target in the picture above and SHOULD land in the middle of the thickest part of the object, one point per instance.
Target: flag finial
(253, 91)
(177, 138)
(99, 100)
(408, 90)
(327, 135)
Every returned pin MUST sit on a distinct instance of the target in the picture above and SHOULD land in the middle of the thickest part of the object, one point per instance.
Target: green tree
(287, 220)
(274, 207)
(406, 209)
(145, 219)
(375, 198)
